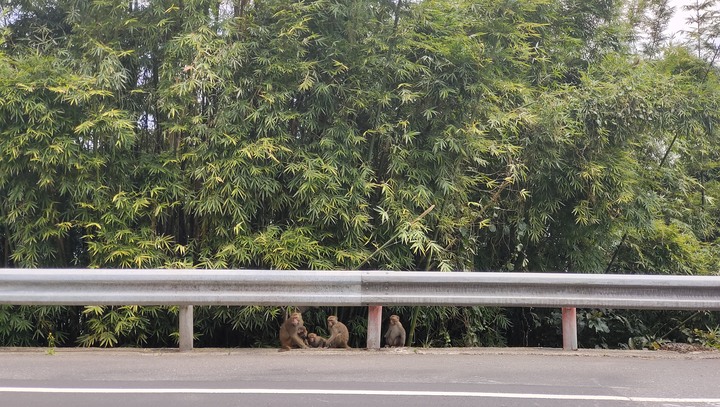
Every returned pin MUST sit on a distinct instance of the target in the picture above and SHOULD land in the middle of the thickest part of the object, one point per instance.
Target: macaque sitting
(303, 334)
(395, 335)
(316, 341)
(289, 337)
(339, 334)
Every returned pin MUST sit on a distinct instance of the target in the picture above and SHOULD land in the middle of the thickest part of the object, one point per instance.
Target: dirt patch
(686, 347)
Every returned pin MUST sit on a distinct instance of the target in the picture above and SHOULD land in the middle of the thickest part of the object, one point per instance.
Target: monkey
(289, 337)
(395, 335)
(338, 334)
(316, 341)
(303, 334)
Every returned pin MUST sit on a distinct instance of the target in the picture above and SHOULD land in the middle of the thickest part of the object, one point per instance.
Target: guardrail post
(186, 328)
(569, 328)
(374, 326)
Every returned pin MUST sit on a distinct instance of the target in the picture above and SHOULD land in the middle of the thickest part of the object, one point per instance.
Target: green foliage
(127, 325)
(32, 326)
(51, 344)
(452, 326)
(237, 326)
(709, 337)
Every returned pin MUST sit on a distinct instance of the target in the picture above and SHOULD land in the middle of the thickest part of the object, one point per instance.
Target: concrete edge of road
(707, 353)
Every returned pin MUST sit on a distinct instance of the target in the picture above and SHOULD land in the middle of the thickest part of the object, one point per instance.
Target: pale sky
(679, 22)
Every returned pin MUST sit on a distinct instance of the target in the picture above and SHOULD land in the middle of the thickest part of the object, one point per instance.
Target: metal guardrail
(355, 288)
(186, 288)
(542, 290)
(178, 287)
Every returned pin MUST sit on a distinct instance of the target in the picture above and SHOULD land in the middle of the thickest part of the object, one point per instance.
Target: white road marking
(91, 390)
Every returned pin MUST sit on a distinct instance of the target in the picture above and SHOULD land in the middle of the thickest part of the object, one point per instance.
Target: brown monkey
(395, 335)
(289, 337)
(338, 334)
(316, 341)
(303, 334)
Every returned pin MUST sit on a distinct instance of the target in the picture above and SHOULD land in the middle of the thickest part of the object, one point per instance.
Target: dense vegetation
(454, 135)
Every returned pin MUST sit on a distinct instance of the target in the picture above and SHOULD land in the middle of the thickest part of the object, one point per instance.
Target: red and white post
(374, 326)
(569, 328)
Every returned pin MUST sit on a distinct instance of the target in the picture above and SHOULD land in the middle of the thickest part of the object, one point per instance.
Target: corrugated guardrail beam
(355, 288)
(178, 287)
(542, 290)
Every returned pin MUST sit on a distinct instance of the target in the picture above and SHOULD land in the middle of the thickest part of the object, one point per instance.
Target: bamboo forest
(574, 136)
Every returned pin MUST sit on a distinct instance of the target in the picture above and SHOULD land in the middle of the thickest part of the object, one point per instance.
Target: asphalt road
(389, 377)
